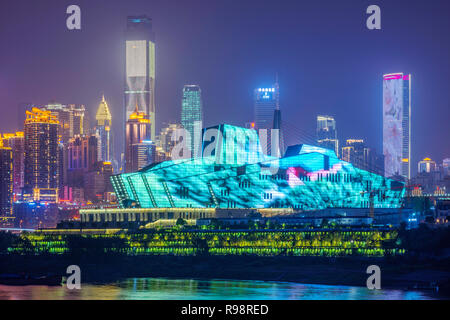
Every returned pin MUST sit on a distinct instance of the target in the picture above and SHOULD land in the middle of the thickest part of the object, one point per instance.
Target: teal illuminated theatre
(234, 173)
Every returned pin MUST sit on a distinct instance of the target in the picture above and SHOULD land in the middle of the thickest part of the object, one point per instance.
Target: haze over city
(326, 59)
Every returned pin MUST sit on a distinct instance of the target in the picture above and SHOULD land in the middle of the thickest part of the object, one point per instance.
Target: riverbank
(350, 271)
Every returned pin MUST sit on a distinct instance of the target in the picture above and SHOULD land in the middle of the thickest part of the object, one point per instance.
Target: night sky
(328, 62)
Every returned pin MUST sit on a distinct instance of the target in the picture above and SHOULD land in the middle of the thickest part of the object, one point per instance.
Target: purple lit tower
(397, 125)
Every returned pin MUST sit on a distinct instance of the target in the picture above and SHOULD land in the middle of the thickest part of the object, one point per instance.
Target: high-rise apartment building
(192, 117)
(397, 125)
(41, 155)
(6, 180)
(16, 141)
(64, 116)
(72, 119)
(140, 69)
(327, 133)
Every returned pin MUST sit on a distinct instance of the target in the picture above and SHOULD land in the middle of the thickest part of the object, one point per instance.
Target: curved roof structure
(237, 175)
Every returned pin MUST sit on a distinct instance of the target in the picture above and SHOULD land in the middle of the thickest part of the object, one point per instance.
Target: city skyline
(303, 144)
(299, 97)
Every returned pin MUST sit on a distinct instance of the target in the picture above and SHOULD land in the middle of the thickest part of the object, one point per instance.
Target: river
(191, 289)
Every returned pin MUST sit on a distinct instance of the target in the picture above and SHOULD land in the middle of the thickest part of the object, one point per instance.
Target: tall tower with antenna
(277, 135)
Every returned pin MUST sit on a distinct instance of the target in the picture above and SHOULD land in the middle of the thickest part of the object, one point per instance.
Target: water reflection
(190, 289)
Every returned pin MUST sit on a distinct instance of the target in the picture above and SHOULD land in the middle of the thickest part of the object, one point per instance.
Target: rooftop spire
(103, 114)
(277, 92)
(137, 107)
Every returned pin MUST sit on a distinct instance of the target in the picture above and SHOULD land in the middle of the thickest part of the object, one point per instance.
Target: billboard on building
(392, 123)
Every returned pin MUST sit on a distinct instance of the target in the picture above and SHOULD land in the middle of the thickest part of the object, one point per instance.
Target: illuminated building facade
(397, 124)
(267, 115)
(16, 141)
(62, 169)
(80, 120)
(238, 175)
(140, 68)
(266, 101)
(327, 133)
(103, 130)
(64, 115)
(137, 131)
(192, 116)
(6, 180)
(426, 165)
(142, 154)
(41, 155)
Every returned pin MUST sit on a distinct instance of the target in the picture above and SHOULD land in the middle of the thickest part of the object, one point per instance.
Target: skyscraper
(140, 68)
(103, 130)
(41, 154)
(397, 124)
(327, 134)
(142, 154)
(21, 110)
(64, 116)
(80, 120)
(426, 165)
(356, 152)
(277, 125)
(192, 116)
(137, 131)
(267, 115)
(6, 182)
(16, 141)
(266, 101)
(82, 154)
